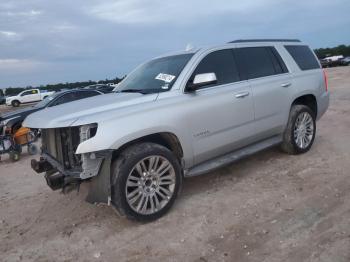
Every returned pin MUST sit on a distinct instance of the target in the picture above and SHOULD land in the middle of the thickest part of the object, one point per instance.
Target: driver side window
(26, 93)
(222, 64)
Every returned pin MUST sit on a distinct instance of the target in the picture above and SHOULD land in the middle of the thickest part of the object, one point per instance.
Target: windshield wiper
(141, 91)
(133, 91)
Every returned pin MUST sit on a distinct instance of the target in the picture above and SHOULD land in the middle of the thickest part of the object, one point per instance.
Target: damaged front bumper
(65, 170)
(57, 177)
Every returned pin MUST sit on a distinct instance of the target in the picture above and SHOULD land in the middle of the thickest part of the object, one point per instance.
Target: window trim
(275, 54)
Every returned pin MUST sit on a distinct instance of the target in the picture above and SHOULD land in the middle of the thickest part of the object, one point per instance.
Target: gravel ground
(268, 207)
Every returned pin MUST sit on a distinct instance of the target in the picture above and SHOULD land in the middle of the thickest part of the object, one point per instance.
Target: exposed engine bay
(66, 170)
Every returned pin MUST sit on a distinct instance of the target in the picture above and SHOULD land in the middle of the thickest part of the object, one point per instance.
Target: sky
(47, 42)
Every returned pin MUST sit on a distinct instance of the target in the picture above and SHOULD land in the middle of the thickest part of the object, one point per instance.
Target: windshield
(46, 101)
(155, 76)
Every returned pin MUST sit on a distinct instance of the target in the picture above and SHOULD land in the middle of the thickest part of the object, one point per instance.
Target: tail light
(325, 79)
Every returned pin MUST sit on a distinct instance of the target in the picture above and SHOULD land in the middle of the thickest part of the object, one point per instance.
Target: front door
(220, 116)
(30, 96)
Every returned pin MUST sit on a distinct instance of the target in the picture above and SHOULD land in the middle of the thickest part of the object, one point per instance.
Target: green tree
(343, 50)
(61, 86)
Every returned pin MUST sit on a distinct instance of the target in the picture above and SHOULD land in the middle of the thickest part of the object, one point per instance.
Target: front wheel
(300, 131)
(146, 179)
(15, 103)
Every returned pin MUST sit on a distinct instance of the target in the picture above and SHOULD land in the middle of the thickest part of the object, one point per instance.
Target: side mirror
(201, 80)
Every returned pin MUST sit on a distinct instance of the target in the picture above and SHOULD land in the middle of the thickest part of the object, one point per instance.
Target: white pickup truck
(27, 96)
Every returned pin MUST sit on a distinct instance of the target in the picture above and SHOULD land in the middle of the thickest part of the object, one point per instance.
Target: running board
(232, 157)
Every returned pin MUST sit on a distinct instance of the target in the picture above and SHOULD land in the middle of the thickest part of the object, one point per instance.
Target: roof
(264, 40)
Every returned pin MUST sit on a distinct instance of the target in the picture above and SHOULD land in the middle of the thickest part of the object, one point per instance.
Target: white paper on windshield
(165, 77)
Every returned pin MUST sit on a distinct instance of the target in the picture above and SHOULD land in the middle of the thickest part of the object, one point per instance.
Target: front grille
(61, 144)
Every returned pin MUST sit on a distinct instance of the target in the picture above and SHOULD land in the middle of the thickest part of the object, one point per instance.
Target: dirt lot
(269, 207)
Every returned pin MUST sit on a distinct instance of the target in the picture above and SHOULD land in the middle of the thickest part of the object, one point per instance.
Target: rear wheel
(301, 130)
(146, 179)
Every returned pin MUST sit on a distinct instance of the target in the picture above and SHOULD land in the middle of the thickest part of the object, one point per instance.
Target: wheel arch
(100, 187)
(166, 139)
(15, 100)
(308, 100)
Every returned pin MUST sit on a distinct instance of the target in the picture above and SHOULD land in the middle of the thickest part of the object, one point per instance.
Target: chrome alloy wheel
(150, 185)
(303, 130)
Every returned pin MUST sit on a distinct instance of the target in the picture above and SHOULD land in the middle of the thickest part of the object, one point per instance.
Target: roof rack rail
(264, 40)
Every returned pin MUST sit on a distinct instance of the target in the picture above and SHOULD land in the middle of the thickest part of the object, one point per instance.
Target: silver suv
(182, 115)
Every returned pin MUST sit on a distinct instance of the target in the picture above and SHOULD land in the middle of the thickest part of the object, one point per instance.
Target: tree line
(60, 86)
(338, 50)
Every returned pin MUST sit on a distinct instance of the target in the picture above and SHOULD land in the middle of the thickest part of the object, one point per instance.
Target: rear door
(270, 83)
(219, 116)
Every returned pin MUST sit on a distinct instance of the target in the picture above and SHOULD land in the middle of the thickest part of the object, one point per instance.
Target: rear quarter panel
(306, 82)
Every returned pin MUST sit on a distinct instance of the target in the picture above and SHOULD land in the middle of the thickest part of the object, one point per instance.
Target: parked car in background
(2, 100)
(12, 121)
(332, 61)
(325, 63)
(100, 87)
(345, 61)
(183, 115)
(27, 96)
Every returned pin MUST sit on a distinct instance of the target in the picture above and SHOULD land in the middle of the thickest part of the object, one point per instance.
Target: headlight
(87, 132)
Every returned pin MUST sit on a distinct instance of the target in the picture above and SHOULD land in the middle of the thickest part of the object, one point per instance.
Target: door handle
(285, 85)
(242, 95)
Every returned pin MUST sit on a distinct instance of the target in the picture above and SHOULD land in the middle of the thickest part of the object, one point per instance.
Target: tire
(147, 200)
(15, 103)
(18, 148)
(32, 149)
(299, 140)
(14, 156)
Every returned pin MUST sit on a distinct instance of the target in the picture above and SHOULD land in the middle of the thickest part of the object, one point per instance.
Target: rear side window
(222, 64)
(303, 56)
(258, 62)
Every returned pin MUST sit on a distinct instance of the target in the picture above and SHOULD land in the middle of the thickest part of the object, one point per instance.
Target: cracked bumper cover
(95, 169)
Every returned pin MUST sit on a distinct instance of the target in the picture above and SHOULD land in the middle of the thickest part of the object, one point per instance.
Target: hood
(9, 97)
(85, 111)
(18, 113)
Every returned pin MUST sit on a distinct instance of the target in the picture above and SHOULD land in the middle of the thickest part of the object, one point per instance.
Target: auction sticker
(165, 77)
